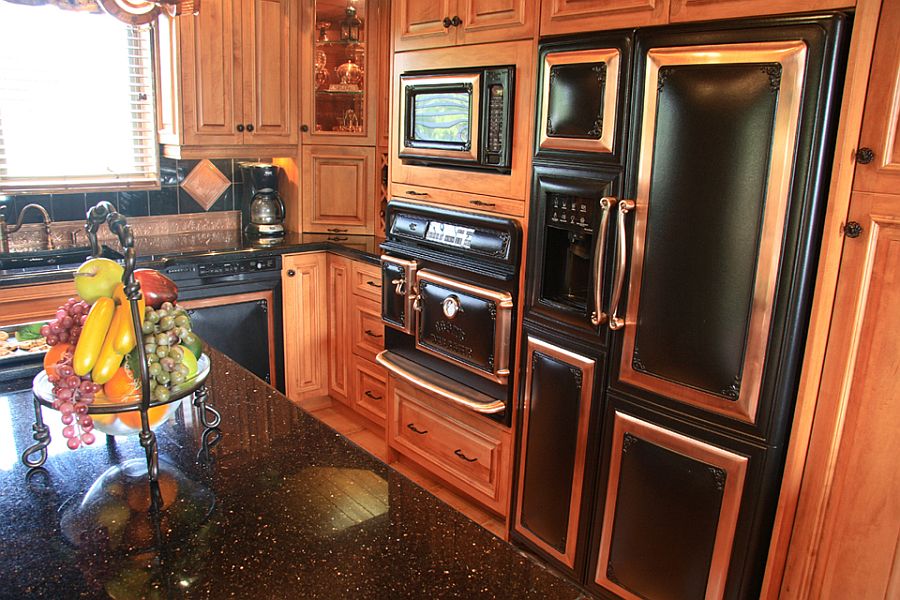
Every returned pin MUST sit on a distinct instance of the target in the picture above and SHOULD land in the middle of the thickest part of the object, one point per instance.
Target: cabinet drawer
(467, 451)
(506, 206)
(370, 390)
(366, 328)
(366, 281)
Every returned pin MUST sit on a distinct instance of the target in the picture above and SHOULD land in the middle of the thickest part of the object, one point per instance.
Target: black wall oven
(449, 297)
(234, 301)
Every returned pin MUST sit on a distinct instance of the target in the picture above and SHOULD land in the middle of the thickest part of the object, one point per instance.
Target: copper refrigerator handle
(598, 317)
(616, 322)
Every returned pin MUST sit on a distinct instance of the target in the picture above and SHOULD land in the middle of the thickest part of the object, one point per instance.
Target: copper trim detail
(499, 372)
(615, 321)
(471, 81)
(406, 288)
(731, 466)
(608, 56)
(585, 368)
(791, 55)
(598, 317)
(438, 385)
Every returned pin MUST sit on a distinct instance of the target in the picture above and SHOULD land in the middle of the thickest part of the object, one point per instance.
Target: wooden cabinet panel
(270, 45)
(303, 279)
(367, 329)
(338, 188)
(419, 24)
(573, 16)
(504, 206)
(700, 10)
(370, 390)
(366, 281)
(848, 527)
(881, 121)
(494, 20)
(33, 302)
(466, 450)
(338, 327)
(211, 78)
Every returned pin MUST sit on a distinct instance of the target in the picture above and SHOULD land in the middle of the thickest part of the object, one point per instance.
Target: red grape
(67, 419)
(87, 437)
(68, 430)
(73, 443)
(52, 340)
(45, 329)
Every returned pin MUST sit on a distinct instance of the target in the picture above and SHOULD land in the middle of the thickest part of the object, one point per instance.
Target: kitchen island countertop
(300, 512)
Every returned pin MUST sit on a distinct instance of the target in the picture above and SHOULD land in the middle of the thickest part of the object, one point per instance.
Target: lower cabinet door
(670, 515)
(556, 418)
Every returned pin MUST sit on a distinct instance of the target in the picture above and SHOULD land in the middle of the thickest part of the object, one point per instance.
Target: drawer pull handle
(415, 193)
(482, 203)
(337, 230)
(338, 238)
(412, 427)
(373, 284)
(371, 333)
(460, 454)
(369, 394)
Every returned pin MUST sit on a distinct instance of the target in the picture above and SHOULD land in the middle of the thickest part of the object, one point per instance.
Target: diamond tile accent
(205, 183)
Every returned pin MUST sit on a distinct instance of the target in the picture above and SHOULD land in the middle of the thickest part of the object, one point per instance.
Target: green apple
(96, 278)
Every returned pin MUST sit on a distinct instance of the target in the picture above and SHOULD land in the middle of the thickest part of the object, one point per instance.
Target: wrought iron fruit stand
(36, 454)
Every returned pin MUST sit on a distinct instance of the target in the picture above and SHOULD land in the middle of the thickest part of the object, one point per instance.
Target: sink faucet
(5, 229)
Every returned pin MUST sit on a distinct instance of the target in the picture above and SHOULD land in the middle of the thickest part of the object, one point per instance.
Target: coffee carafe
(262, 210)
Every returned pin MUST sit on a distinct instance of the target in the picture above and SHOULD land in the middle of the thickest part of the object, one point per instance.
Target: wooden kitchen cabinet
(422, 24)
(303, 280)
(575, 16)
(337, 189)
(226, 80)
(338, 332)
(701, 10)
(22, 304)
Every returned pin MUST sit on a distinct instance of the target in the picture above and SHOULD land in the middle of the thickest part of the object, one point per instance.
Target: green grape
(183, 369)
(162, 339)
(152, 316)
(167, 306)
(182, 321)
(177, 353)
(167, 363)
(161, 393)
(177, 378)
(162, 351)
(154, 369)
(153, 384)
(166, 323)
(147, 327)
(161, 313)
(188, 339)
(152, 358)
(150, 348)
(163, 378)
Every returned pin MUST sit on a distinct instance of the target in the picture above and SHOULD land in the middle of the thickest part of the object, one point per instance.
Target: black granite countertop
(300, 512)
(358, 247)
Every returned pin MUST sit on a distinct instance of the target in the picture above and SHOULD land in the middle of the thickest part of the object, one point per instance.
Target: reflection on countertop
(300, 512)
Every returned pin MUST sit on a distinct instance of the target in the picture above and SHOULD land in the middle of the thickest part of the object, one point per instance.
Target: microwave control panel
(565, 211)
(498, 116)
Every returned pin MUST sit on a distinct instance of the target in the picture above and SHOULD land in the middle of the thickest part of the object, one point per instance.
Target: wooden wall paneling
(862, 42)
(337, 188)
(701, 10)
(269, 37)
(419, 24)
(575, 16)
(495, 20)
(303, 278)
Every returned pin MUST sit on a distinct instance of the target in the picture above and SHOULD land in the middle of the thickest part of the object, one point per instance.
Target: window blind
(77, 111)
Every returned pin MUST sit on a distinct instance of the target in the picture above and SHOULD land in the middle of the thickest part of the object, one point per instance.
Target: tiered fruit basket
(152, 409)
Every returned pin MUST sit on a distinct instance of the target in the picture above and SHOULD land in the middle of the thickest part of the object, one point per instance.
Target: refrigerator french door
(700, 294)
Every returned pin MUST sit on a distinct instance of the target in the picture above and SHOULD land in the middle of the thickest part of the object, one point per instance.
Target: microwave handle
(598, 317)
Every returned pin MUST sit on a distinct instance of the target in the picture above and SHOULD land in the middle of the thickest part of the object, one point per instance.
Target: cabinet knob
(852, 229)
(304, 128)
(864, 156)
(456, 21)
(240, 128)
(250, 127)
(291, 272)
(447, 23)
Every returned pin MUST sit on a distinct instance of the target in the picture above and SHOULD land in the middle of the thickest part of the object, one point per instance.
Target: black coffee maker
(262, 210)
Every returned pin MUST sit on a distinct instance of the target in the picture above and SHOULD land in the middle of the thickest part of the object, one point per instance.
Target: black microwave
(458, 118)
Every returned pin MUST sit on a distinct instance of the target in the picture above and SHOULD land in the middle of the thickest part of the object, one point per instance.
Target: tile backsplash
(170, 199)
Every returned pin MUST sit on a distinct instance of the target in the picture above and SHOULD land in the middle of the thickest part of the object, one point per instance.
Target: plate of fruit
(92, 370)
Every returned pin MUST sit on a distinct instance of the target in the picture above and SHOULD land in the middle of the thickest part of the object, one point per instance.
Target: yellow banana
(123, 331)
(92, 335)
(109, 360)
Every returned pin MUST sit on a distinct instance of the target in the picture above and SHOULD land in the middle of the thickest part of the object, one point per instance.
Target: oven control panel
(565, 211)
(235, 267)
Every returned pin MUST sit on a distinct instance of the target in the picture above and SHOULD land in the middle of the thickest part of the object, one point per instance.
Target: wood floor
(370, 438)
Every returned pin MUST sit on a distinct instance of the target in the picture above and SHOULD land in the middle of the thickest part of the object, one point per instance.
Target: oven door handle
(598, 317)
(615, 321)
(438, 385)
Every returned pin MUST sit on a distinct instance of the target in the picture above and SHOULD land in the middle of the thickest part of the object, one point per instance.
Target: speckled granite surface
(300, 512)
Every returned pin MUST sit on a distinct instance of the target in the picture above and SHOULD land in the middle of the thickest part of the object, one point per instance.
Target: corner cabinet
(338, 187)
(422, 24)
(226, 80)
(303, 281)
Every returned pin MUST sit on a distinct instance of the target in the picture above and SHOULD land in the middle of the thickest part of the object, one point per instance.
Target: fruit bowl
(123, 418)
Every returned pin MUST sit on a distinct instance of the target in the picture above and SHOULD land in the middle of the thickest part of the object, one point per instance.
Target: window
(76, 102)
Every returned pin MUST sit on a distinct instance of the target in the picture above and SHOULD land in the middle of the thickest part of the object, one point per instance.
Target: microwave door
(440, 117)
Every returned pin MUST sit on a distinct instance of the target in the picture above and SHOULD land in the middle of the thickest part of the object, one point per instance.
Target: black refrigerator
(679, 186)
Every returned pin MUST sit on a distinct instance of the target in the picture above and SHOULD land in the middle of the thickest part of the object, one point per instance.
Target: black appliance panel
(575, 103)
(216, 326)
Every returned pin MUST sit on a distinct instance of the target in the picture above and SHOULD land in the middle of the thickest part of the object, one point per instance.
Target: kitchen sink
(50, 259)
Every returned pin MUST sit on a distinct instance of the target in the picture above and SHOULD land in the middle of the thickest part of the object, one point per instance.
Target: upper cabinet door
(269, 63)
(421, 24)
(493, 20)
(878, 170)
(574, 16)
(701, 10)
(338, 71)
(211, 87)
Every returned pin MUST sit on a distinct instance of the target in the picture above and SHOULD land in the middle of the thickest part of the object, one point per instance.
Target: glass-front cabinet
(339, 71)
